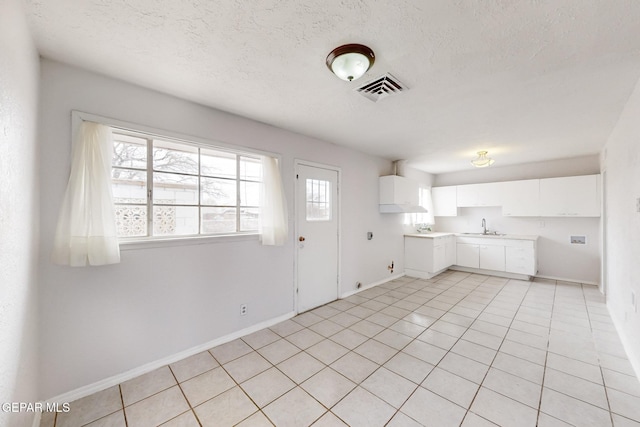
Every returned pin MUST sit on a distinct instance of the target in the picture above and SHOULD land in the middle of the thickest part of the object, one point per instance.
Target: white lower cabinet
(492, 257)
(515, 256)
(468, 255)
(521, 259)
(426, 256)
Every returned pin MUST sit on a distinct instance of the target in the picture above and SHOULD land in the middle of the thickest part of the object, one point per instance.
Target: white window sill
(163, 242)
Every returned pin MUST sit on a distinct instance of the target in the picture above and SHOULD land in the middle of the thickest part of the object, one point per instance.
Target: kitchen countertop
(480, 235)
(430, 235)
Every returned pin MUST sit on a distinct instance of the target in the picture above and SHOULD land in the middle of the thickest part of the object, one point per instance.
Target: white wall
(621, 167)
(98, 322)
(557, 257)
(584, 165)
(18, 213)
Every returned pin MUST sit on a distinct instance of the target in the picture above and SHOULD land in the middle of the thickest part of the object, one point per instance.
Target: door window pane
(318, 200)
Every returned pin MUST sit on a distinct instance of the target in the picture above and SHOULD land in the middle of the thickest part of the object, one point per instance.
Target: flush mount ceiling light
(351, 61)
(482, 161)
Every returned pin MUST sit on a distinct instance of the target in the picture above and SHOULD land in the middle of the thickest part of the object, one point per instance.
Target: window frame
(150, 133)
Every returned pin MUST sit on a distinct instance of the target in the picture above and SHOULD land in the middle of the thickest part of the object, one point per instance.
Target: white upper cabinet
(521, 198)
(398, 194)
(444, 201)
(570, 196)
(473, 195)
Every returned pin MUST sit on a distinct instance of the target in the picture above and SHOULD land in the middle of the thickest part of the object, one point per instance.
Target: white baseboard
(371, 285)
(634, 358)
(491, 272)
(125, 376)
(564, 279)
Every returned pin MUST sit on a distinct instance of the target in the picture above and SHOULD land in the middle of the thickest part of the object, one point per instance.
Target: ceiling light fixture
(351, 61)
(482, 161)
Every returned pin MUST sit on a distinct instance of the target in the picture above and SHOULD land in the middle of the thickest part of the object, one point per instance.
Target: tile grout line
(546, 356)
(468, 409)
(604, 384)
(185, 396)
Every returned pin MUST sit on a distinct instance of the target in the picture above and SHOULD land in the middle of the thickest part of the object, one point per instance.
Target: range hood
(399, 194)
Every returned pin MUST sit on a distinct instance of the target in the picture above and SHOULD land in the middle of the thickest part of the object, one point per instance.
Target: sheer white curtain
(86, 233)
(426, 201)
(273, 205)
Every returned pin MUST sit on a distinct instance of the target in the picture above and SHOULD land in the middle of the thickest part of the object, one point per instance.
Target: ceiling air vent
(382, 87)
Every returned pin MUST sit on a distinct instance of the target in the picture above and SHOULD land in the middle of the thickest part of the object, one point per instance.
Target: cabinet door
(492, 257)
(468, 255)
(490, 194)
(450, 250)
(467, 195)
(398, 190)
(521, 198)
(439, 258)
(444, 201)
(474, 195)
(520, 260)
(418, 253)
(570, 196)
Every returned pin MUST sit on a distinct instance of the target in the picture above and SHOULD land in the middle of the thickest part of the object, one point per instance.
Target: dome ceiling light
(350, 61)
(482, 161)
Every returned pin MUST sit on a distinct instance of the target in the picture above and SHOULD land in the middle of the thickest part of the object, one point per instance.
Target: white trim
(338, 170)
(634, 358)
(564, 279)
(126, 245)
(492, 273)
(78, 116)
(87, 390)
(372, 285)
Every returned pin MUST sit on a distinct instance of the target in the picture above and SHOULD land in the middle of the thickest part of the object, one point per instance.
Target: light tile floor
(457, 350)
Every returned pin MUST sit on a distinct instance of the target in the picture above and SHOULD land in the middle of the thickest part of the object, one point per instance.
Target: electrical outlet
(243, 309)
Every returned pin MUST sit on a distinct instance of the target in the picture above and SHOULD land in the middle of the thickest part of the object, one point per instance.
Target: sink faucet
(484, 226)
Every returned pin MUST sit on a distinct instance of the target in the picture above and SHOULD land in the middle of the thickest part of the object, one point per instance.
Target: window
(167, 188)
(426, 218)
(318, 200)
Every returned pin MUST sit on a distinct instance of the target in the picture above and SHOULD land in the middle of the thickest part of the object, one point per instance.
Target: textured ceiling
(526, 80)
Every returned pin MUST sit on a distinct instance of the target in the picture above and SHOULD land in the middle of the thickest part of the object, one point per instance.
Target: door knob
(301, 239)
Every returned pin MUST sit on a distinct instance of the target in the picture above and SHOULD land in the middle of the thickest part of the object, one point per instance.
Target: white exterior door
(317, 235)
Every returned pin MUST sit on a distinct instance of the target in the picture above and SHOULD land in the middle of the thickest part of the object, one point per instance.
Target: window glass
(221, 192)
(175, 157)
(318, 200)
(218, 164)
(218, 220)
(196, 190)
(175, 189)
(129, 152)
